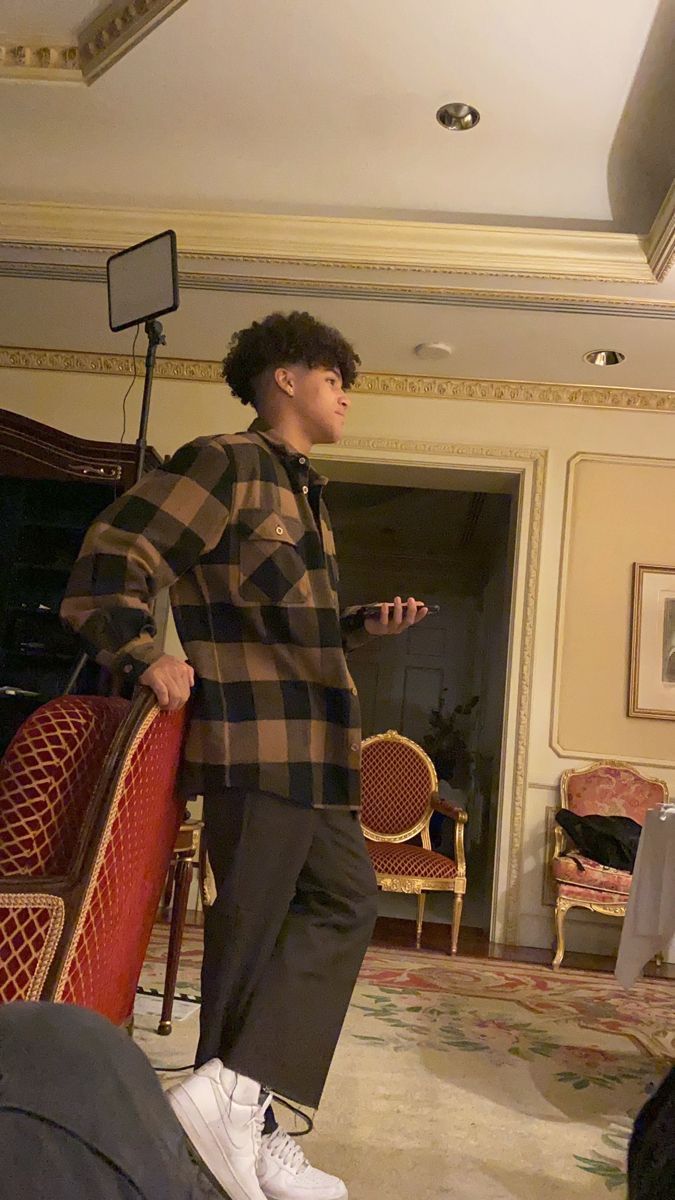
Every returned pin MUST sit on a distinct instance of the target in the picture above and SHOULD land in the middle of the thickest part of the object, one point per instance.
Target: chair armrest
(36, 885)
(448, 810)
(560, 841)
(460, 817)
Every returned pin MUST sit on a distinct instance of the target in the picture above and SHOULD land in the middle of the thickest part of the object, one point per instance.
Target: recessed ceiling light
(457, 116)
(604, 358)
(433, 350)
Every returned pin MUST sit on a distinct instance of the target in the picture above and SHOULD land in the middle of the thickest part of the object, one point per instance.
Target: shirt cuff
(133, 661)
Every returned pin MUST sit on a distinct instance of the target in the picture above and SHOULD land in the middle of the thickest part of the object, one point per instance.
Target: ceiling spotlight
(457, 116)
(430, 350)
(604, 358)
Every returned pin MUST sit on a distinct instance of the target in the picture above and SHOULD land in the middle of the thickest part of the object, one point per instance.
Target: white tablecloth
(649, 924)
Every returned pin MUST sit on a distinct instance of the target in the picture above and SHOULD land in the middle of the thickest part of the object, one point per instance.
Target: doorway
(452, 546)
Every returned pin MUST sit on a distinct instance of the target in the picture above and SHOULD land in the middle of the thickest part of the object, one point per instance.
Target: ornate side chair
(607, 789)
(88, 821)
(399, 794)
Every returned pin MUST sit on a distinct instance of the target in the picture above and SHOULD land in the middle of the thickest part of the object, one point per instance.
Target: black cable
(297, 1112)
(124, 402)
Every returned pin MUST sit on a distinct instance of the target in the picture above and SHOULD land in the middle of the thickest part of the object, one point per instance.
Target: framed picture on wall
(652, 660)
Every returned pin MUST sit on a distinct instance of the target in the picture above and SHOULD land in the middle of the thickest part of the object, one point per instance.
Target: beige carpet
(472, 1079)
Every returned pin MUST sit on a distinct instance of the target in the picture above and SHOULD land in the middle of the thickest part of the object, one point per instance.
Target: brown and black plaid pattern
(236, 526)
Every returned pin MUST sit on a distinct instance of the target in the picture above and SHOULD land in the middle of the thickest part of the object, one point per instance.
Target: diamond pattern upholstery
(398, 790)
(108, 947)
(30, 928)
(88, 819)
(389, 858)
(47, 778)
(397, 782)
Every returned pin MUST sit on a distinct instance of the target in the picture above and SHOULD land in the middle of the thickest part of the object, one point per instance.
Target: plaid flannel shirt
(237, 527)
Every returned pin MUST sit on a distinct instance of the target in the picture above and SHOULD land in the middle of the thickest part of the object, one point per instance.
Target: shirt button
(128, 668)
(279, 530)
(302, 461)
(355, 747)
(305, 489)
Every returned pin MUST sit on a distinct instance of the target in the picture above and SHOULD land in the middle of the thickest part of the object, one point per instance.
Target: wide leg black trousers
(285, 938)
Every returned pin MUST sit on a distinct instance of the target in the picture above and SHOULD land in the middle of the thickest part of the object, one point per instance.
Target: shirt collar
(285, 450)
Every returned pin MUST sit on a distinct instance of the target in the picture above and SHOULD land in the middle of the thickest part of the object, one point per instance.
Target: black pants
(82, 1115)
(285, 938)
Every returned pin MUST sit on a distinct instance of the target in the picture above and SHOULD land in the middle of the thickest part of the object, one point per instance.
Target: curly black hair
(283, 339)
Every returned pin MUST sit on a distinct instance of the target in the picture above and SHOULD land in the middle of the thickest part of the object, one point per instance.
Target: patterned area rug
(472, 1078)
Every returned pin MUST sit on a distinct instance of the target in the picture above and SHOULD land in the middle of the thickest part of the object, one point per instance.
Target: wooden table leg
(181, 892)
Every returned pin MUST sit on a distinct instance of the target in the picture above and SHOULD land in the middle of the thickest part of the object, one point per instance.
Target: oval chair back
(398, 783)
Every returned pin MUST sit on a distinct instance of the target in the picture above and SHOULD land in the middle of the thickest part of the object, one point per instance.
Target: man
(236, 524)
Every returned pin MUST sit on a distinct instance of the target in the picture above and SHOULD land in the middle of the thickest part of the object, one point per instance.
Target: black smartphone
(373, 610)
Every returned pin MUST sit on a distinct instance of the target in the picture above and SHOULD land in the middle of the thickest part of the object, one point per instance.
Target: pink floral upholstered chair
(606, 789)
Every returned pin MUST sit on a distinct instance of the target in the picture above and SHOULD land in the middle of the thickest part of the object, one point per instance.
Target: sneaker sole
(208, 1148)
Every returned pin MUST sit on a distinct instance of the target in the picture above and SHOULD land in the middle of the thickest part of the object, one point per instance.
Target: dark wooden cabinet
(52, 486)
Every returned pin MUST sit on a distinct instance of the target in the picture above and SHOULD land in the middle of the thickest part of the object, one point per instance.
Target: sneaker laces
(258, 1123)
(286, 1150)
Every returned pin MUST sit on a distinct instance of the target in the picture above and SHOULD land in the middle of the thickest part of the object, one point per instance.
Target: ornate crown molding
(21, 266)
(122, 25)
(660, 241)
(488, 391)
(493, 391)
(341, 242)
(55, 63)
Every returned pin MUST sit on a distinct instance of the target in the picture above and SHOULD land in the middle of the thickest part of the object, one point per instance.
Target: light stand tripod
(155, 338)
(155, 333)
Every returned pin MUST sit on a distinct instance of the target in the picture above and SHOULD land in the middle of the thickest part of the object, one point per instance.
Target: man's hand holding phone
(382, 620)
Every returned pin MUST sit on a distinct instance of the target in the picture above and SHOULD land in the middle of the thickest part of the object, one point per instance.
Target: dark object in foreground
(651, 1155)
(82, 1115)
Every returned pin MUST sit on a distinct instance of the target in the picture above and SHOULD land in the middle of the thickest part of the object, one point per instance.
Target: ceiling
(327, 112)
(310, 107)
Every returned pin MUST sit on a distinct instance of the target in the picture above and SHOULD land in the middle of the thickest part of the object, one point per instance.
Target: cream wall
(90, 406)
(619, 512)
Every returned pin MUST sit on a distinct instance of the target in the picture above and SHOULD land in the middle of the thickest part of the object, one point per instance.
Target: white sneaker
(285, 1174)
(221, 1114)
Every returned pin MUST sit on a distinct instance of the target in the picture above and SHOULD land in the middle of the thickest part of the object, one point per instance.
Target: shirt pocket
(272, 568)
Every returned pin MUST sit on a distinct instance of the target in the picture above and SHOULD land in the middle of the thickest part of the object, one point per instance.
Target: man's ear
(285, 380)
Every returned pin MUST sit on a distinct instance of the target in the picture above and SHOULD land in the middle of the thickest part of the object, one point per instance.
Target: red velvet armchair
(88, 820)
(399, 790)
(607, 789)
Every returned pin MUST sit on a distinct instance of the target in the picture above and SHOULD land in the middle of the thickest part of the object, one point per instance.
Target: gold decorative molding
(487, 391)
(122, 25)
(492, 391)
(23, 267)
(51, 63)
(432, 247)
(660, 241)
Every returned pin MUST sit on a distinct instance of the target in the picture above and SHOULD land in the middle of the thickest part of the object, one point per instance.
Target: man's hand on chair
(171, 680)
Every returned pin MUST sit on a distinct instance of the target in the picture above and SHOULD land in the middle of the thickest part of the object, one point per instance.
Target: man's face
(320, 401)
